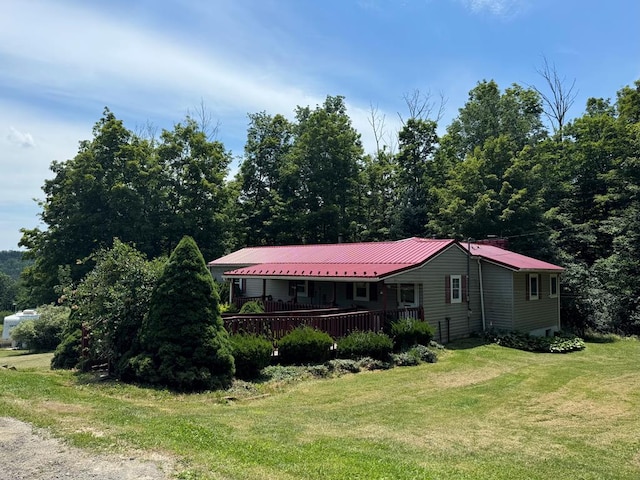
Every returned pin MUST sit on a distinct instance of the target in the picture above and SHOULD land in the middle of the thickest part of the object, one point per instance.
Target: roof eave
(302, 277)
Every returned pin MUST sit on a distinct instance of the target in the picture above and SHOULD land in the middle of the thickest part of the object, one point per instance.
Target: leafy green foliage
(558, 344)
(228, 308)
(183, 340)
(304, 345)
(45, 333)
(8, 292)
(376, 345)
(251, 354)
(407, 332)
(321, 179)
(112, 300)
(149, 193)
(263, 191)
(598, 337)
(253, 306)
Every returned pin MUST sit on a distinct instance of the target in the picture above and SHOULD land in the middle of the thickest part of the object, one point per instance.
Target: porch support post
(264, 289)
(335, 289)
(384, 296)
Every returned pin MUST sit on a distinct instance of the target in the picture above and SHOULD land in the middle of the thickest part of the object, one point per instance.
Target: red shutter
(465, 288)
(447, 288)
(528, 286)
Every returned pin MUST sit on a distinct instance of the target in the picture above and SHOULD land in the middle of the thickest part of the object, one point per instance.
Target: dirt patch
(30, 453)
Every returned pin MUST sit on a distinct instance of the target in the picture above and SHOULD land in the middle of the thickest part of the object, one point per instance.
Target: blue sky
(150, 61)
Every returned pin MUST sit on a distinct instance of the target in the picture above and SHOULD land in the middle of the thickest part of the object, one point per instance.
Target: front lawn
(481, 412)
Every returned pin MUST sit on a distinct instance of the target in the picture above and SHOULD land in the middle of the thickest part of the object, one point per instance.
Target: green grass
(24, 360)
(481, 412)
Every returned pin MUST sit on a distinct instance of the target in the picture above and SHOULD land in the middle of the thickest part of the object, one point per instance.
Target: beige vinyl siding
(538, 314)
(497, 284)
(450, 320)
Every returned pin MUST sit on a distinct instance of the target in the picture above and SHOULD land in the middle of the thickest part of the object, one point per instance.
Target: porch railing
(337, 325)
(277, 306)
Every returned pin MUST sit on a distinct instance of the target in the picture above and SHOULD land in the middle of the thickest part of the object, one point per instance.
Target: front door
(408, 295)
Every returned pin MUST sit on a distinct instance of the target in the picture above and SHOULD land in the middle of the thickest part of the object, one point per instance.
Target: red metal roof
(411, 250)
(358, 260)
(510, 259)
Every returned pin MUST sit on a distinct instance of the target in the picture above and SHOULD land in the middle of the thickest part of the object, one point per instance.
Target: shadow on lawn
(467, 343)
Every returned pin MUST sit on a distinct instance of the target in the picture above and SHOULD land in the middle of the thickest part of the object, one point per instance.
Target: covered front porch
(336, 307)
(285, 294)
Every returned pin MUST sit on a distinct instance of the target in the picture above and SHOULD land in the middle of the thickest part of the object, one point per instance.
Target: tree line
(565, 191)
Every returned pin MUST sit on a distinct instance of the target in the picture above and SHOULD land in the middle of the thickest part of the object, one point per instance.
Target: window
(534, 287)
(361, 291)
(553, 286)
(456, 288)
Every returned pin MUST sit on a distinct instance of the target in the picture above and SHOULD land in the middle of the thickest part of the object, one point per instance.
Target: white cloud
(502, 8)
(111, 59)
(24, 140)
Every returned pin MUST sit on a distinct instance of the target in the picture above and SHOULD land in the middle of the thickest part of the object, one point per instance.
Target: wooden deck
(276, 325)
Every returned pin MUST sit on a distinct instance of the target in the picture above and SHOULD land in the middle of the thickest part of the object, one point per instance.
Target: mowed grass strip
(481, 412)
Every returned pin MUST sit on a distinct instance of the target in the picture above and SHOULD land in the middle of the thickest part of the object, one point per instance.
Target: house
(459, 288)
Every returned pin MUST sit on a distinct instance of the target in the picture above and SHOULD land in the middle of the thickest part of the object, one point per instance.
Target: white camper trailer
(11, 321)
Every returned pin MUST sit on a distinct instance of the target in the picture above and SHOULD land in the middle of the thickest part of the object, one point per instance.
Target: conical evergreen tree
(185, 344)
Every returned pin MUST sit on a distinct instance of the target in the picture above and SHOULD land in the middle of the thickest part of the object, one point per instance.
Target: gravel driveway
(27, 453)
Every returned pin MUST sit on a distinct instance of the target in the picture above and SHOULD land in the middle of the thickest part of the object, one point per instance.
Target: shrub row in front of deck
(365, 350)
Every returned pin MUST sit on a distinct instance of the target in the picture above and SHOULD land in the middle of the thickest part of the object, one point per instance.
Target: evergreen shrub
(304, 345)
(184, 343)
(251, 353)
(365, 344)
(407, 332)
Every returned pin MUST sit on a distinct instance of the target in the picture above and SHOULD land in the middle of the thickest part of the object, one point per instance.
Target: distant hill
(12, 264)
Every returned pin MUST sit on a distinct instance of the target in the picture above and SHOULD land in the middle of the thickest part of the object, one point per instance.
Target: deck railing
(277, 306)
(277, 325)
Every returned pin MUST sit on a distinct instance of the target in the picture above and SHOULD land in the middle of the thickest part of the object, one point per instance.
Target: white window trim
(537, 280)
(553, 294)
(451, 289)
(416, 292)
(355, 291)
